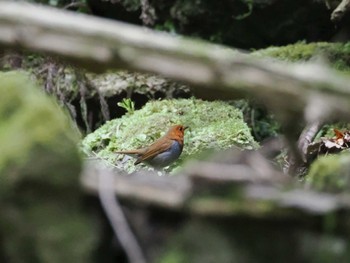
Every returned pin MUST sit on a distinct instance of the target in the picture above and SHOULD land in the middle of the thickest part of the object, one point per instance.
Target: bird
(162, 152)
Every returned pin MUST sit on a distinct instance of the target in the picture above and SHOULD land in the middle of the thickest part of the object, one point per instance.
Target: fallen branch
(163, 191)
(186, 191)
(338, 14)
(213, 71)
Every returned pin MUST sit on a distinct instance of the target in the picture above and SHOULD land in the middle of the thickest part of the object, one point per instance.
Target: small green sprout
(128, 105)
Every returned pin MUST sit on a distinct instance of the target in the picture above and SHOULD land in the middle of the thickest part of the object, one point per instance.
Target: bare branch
(340, 11)
(306, 137)
(280, 191)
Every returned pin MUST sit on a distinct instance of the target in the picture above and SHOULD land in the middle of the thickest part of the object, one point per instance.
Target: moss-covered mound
(34, 134)
(330, 173)
(41, 218)
(337, 54)
(212, 125)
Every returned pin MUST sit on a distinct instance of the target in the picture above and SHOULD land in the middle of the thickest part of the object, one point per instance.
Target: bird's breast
(167, 157)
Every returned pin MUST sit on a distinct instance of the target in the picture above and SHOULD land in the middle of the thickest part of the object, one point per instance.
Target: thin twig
(117, 218)
(306, 137)
(74, 5)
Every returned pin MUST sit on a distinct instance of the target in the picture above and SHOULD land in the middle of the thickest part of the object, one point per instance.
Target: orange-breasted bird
(163, 151)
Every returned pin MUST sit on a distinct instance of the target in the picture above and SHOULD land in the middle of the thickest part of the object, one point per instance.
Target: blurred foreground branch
(213, 71)
(185, 191)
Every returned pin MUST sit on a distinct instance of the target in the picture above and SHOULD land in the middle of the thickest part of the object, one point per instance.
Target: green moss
(337, 54)
(31, 126)
(330, 173)
(212, 125)
(41, 218)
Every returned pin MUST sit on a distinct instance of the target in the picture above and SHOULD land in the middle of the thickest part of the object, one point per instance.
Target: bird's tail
(129, 152)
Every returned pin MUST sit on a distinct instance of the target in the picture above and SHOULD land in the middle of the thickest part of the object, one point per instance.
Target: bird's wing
(155, 149)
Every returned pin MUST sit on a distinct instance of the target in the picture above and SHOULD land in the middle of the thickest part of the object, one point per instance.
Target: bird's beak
(186, 127)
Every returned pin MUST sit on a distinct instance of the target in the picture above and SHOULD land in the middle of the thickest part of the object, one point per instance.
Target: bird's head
(177, 132)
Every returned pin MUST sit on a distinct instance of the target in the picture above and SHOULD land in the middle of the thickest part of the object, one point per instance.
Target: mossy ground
(212, 125)
(330, 173)
(336, 54)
